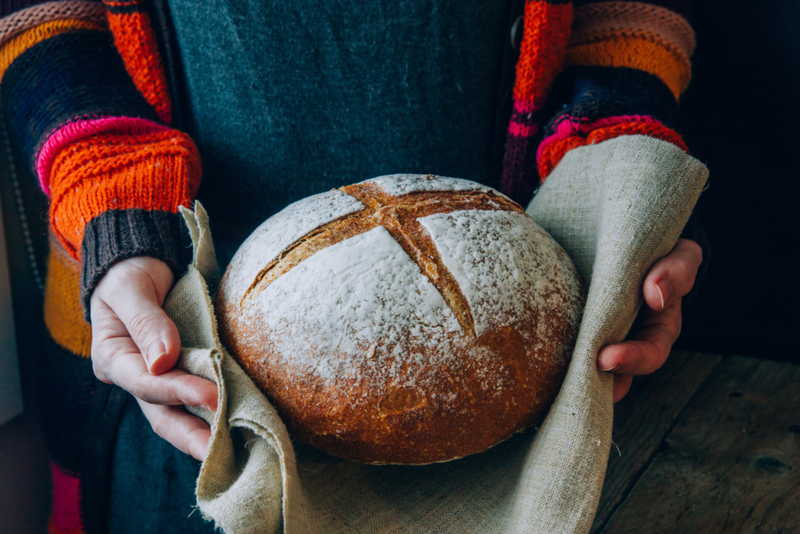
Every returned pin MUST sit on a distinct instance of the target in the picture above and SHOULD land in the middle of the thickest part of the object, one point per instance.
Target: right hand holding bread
(135, 346)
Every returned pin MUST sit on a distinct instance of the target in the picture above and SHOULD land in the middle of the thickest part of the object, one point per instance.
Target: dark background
(740, 116)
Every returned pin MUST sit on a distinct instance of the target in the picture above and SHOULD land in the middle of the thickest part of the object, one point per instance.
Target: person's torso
(290, 98)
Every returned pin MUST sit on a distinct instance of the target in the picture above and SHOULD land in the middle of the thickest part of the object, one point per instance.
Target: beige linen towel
(616, 207)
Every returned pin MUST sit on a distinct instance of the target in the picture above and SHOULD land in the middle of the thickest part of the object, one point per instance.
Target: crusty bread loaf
(406, 319)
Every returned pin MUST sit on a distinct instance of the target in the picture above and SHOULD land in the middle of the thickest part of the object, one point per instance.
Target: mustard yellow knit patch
(63, 314)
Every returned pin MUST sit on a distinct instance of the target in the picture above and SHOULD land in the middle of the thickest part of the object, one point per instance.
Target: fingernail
(604, 366)
(664, 291)
(156, 350)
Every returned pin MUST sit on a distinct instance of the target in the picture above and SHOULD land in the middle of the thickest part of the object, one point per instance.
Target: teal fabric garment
(154, 493)
(288, 98)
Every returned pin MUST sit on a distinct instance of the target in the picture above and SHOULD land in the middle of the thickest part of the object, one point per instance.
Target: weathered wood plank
(732, 463)
(642, 420)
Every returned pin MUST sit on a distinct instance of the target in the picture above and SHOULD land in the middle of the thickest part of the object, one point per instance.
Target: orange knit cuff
(551, 154)
(154, 171)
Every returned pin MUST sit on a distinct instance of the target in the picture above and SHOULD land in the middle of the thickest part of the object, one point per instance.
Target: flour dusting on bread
(407, 319)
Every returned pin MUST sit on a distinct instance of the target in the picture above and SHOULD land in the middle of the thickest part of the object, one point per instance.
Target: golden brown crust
(498, 383)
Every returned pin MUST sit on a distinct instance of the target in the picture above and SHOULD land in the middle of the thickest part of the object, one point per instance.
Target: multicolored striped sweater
(85, 93)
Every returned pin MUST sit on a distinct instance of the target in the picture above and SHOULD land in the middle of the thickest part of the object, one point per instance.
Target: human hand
(659, 321)
(135, 346)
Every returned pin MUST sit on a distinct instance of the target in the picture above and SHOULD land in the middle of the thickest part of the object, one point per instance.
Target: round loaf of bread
(407, 319)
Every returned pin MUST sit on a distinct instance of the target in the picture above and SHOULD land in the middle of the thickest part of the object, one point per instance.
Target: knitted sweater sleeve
(600, 70)
(84, 94)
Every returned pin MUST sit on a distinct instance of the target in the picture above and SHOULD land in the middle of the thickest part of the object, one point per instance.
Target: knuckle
(692, 249)
(676, 328)
(102, 324)
(100, 374)
(141, 326)
(683, 272)
(153, 390)
(99, 361)
(143, 387)
(652, 357)
(112, 281)
(684, 267)
(175, 390)
(158, 425)
(122, 278)
(136, 389)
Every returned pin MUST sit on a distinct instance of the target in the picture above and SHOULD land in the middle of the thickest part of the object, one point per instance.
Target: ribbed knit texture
(635, 52)
(15, 46)
(63, 314)
(8, 7)
(635, 35)
(570, 137)
(595, 22)
(678, 6)
(120, 234)
(78, 74)
(544, 43)
(629, 65)
(28, 18)
(588, 94)
(158, 171)
(136, 42)
(81, 129)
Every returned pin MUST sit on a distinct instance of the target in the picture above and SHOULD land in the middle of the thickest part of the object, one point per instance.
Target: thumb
(135, 289)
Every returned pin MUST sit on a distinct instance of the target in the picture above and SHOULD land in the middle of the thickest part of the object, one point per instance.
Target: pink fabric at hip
(66, 499)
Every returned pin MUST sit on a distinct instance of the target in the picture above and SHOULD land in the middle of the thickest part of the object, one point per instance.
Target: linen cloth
(616, 208)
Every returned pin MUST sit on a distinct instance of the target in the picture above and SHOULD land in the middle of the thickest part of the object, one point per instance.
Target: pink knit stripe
(522, 130)
(577, 127)
(25, 19)
(66, 499)
(632, 18)
(82, 128)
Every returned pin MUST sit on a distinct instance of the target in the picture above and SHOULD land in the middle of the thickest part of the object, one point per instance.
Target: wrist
(118, 235)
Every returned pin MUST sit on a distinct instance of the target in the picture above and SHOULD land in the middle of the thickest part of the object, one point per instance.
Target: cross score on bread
(399, 215)
(406, 319)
